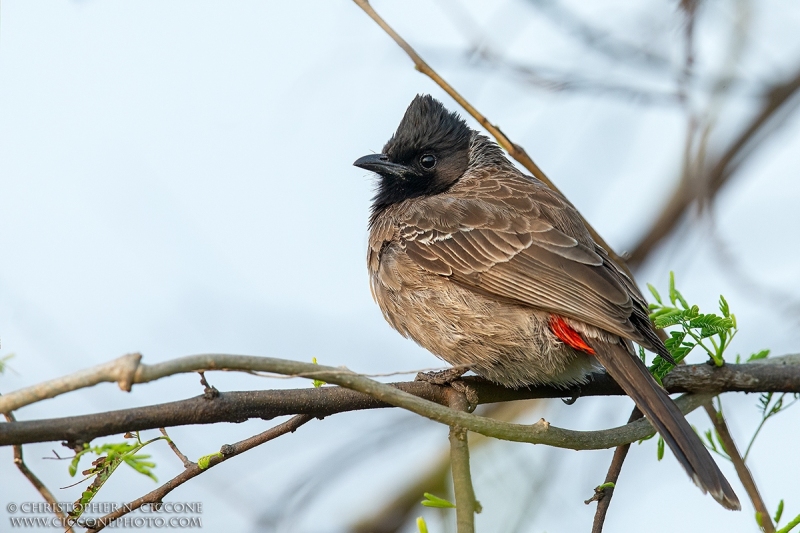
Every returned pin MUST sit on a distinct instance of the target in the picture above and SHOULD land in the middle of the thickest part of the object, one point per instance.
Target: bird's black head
(428, 153)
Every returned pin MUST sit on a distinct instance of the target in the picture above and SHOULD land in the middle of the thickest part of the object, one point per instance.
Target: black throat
(427, 130)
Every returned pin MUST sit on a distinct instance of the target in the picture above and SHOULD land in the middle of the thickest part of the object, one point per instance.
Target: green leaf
(654, 292)
(422, 527)
(675, 340)
(138, 463)
(721, 444)
(317, 383)
(102, 468)
(660, 448)
(205, 461)
(435, 501)
(788, 527)
(764, 400)
(723, 307)
(73, 465)
(3, 362)
(669, 318)
(673, 294)
(779, 512)
(763, 354)
(647, 437)
(710, 438)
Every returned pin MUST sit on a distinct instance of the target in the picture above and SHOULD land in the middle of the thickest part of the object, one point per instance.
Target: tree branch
(780, 374)
(513, 149)
(37, 483)
(391, 517)
(742, 471)
(538, 433)
(718, 173)
(604, 493)
(193, 470)
(466, 503)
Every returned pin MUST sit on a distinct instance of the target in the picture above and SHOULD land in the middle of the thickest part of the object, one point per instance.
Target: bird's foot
(575, 394)
(469, 393)
(451, 377)
(441, 377)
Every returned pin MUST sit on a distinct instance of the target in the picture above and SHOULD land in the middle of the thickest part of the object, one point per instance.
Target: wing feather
(518, 241)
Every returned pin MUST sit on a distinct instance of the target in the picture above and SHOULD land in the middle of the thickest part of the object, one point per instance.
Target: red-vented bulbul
(489, 268)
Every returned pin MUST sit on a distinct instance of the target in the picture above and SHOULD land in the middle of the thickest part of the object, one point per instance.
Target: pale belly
(508, 344)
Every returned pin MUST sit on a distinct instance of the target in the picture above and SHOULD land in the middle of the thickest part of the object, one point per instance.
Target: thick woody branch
(782, 375)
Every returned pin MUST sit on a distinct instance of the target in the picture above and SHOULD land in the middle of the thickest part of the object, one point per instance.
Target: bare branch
(391, 517)
(780, 374)
(551, 79)
(119, 370)
(466, 503)
(604, 493)
(777, 99)
(37, 483)
(514, 150)
(539, 433)
(599, 40)
(193, 470)
(742, 471)
(185, 460)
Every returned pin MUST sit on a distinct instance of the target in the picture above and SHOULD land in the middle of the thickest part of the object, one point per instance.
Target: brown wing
(510, 237)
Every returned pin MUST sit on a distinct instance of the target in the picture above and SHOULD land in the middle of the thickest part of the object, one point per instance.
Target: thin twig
(37, 483)
(391, 517)
(604, 493)
(514, 150)
(174, 447)
(742, 471)
(193, 470)
(466, 503)
(596, 39)
(779, 98)
(764, 418)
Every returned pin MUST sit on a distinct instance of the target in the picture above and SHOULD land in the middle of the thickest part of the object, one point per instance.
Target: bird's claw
(451, 377)
(576, 393)
(441, 377)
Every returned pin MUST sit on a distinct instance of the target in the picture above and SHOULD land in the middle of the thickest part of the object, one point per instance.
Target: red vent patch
(567, 335)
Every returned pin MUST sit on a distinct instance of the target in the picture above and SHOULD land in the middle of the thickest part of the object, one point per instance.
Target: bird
(494, 272)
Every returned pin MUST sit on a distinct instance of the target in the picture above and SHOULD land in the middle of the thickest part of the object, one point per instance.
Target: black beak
(380, 163)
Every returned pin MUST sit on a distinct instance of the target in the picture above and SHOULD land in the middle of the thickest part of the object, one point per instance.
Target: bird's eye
(427, 161)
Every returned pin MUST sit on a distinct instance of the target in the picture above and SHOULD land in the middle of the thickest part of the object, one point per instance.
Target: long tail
(631, 374)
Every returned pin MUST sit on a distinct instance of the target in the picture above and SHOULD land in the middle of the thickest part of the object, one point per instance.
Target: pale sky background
(176, 178)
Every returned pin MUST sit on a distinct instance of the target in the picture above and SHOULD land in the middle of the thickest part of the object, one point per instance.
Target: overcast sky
(176, 178)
